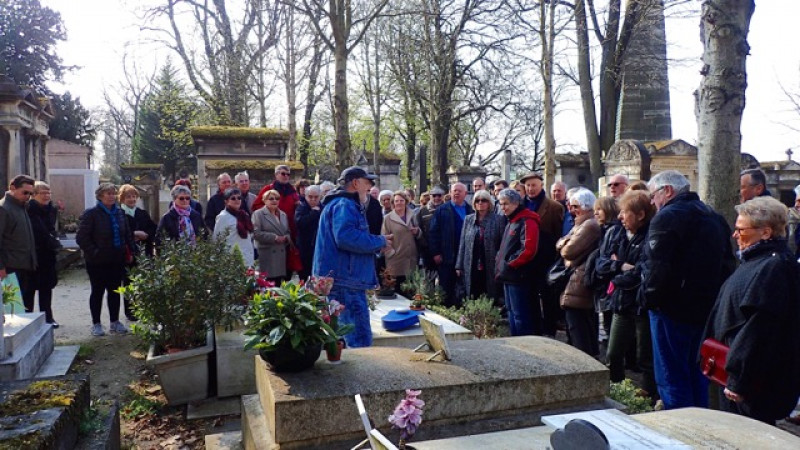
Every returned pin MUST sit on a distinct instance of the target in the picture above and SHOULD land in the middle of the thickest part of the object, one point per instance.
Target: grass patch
(92, 420)
(138, 405)
(625, 393)
(86, 351)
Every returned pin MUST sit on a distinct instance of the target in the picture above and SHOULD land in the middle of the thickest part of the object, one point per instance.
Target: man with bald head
(444, 237)
(617, 184)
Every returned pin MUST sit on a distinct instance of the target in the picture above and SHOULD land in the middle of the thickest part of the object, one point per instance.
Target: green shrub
(625, 392)
(479, 315)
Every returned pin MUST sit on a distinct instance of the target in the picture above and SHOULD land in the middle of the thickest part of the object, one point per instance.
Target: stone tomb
(28, 342)
(489, 385)
(235, 370)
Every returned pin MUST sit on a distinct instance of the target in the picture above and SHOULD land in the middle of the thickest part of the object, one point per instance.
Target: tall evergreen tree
(72, 122)
(165, 117)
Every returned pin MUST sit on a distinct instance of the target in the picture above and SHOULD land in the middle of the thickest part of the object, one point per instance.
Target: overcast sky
(100, 30)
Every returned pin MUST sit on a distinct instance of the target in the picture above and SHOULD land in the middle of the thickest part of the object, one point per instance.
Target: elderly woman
(577, 300)
(514, 263)
(623, 264)
(271, 233)
(307, 219)
(181, 222)
(144, 232)
(106, 240)
(606, 212)
(385, 197)
(424, 198)
(43, 217)
(756, 316)
(402, 259)
(480, 240)
(234, 225)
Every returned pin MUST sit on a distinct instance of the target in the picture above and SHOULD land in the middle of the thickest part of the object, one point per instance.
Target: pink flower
(407, 416)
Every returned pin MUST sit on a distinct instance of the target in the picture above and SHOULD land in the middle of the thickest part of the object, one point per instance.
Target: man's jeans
(675, 346)
(356, 311)
(519, 303)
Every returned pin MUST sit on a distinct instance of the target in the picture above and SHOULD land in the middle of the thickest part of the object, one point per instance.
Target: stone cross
(789, 153)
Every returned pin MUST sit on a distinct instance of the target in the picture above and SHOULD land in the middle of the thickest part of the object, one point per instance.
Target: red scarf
(244, 226)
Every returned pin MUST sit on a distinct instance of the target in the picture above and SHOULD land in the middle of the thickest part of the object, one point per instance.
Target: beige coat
(271, 254)
(575, 247)
(404, 259)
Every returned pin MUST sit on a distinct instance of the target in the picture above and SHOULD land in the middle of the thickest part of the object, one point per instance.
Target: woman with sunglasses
(181, 222)
(233, 225)
(480, 242)
(272, 236)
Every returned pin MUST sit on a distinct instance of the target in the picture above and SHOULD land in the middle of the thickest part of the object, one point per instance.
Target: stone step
(20, 328)
(29, 354)
(230, 440)
(256, 433)
(59, 362)
(214, 407)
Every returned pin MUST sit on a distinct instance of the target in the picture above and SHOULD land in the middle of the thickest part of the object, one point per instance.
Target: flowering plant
(258, 282)
(10, 295)
(407, 416)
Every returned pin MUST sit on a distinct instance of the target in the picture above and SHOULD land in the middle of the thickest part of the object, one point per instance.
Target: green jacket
(17, 246)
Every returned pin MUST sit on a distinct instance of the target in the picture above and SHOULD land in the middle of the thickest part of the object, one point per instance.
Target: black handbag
(558, 275)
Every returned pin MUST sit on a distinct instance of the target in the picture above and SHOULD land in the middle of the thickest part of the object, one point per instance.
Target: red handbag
(293, 261)
(713, 356)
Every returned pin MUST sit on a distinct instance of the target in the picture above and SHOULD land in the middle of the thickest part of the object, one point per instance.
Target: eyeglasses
(653, 194)
(184, 198)
(739, 230)
(234, 197)
(283, 174)
(481, 200)
(573, 206)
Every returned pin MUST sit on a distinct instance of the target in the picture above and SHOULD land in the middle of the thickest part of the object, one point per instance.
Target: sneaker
(54, 324)
(118, 327)
(97, 330)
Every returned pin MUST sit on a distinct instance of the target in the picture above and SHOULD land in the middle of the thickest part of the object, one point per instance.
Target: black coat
(756, 315)
(687, 259)
(141, 221)
(168, 226)
(374, 216)
(307, 221)
(43, 223)
(624, 298)
(96, 237)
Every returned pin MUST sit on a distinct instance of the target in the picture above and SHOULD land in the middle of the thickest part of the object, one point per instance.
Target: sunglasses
(437, 195)
(274, 198)
(283, 174)
(481, 200)
(234, 197)
(183, 197)
(29, 193)
(613, 184)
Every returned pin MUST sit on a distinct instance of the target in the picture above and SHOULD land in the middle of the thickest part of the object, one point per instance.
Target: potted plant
(386, 291)
(286, 325)
(407, 417)
(179, 296)
(423, 284)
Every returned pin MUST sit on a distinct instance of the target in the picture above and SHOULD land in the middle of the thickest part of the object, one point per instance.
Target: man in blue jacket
(345, 250)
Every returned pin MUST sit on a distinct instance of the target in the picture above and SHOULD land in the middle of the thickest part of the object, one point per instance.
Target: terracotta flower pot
(334, 352)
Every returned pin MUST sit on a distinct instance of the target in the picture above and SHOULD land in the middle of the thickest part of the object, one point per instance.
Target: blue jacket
(345, 250)
(445, 232)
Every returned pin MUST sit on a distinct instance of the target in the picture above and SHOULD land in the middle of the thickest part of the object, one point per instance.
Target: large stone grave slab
(489, 385)
(28, 342)
(694, 427)
(236, 372)
(42, 413)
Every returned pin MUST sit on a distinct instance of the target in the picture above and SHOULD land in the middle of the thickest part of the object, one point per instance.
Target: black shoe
(54, 324)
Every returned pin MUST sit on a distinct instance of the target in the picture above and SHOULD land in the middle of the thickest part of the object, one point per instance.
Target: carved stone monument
(674, 154)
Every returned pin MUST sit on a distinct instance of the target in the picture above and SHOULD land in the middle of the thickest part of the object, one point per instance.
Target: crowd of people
(648, 267)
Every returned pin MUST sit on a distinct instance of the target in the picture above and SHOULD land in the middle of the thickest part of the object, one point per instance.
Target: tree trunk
(609, 78)
(341, 113)
(587, 93)
(291, 86)
(720, 100)
(547, 35)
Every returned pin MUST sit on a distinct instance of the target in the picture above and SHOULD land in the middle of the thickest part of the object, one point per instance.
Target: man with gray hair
(687, 258)
(752, 184)
(242, 179)
(558, 192)
(617, 185)
(444, 237)
(216, 203)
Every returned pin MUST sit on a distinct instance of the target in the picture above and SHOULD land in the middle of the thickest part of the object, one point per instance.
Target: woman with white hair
(307, 219)
(577, 300)
(756, 316)
(181, 222)
(385, 197)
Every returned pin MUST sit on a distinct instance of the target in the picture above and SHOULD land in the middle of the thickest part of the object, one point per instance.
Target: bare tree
(220, 69)
(372, 73)
(346, 32)
(720, 100)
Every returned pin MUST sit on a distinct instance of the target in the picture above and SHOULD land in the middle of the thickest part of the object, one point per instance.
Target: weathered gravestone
(489, 385)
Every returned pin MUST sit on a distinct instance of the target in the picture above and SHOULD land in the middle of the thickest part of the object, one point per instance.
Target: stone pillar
(15, 153)
(643, 111)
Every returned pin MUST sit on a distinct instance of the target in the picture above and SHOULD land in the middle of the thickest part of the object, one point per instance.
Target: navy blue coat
(307, 221)
(445, 232)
